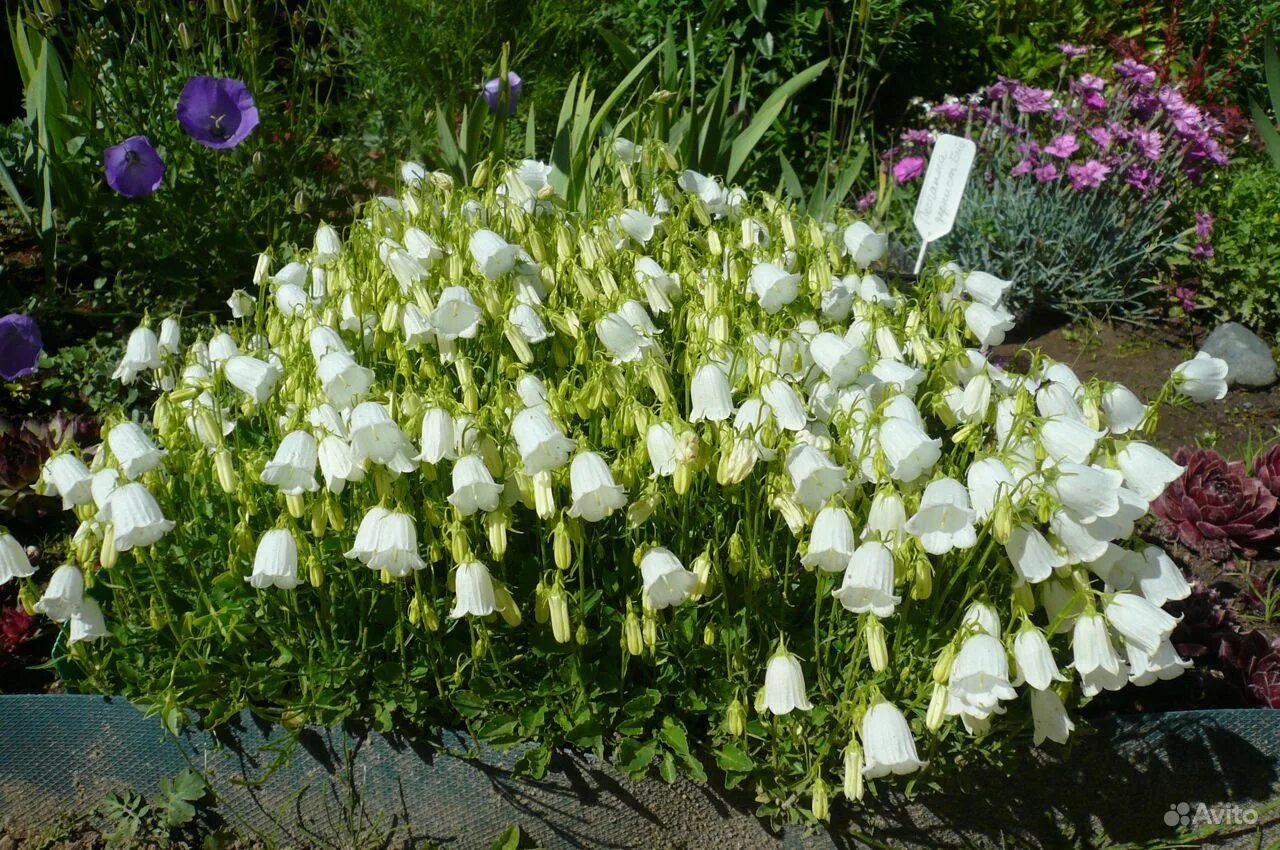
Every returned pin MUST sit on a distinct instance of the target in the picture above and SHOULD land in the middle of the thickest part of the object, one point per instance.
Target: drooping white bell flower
(626, 150)
(395, 545)
(638, 225)
(342, 378)
(543, 447)
(910, 452)
(1087, 492)
(291, 300)
(142, 352)
(474, 594)
(293, 469)
(886, 519)
(338, 463)
(814, 476)
(988, 324)
(837, 302)
(133, 512)
(291, 274)
(241, 304)
(421, 246)
(322, 340)
(708, 189)
(1146, 469)
(1147, 668)
(981, 617)
(867, 587)
(222, 347)
(979, 679)
(1202, 378)
(666, 581)
(133, 449)
(275, 563)
(1049, 717)
(661, 289)
(1140, 623)
(1161, 580)
(1122, 411)
(624, 342)
(1032, 555)
(1079, 543)
(873, 290)
(14, 562)
(66, 475)
(493, 255)
(375, 437)
(784, 690)
(473, 487)
(988, 480)
(170, 336)
(1069, 440)
(404, 267)
(437, 436)
(711, 394)
(103, 484)
(638, 317)
(531, 390)
(326, 418)
(253, 377)
(528, 324)
(944, 520)
(416, 326)
(662, 447)
(595, 493)
(773, 286)
(831, 541)
(863, 244)
(1034, 658)
(838, 358)
(986, 288)
(1092, 646)
(887, 745)
(367, 535)
(88, 624)
(786, 404)
(64, 595)
(327, 244)
(456, 315)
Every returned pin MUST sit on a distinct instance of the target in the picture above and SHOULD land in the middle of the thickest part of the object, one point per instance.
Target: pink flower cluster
(1090, 132)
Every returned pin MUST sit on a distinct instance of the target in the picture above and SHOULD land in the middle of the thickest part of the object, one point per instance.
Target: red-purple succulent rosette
(1216, 507)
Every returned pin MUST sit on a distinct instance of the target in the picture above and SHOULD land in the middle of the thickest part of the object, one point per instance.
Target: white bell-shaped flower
(133, 450)
(831, 541)
(1069, 440)
(986, 288)
(342, 378)
(887, 745)
(981, 617)
(375, 437)
(838, 358)
(293, 469)
(1160, 579)
(64, 595)
(135, 516)
(528, 323)
(474, 591)
(1141, 624)
(456, 315)
(437, 436)
(170, 336)
(1092, 646)
(863, 244)
(910, 452)
(786, 404)
(241, 304)
(1122, 411)
(944, 520)
(784, 690)
(661, 290)
(222, 347)
(988, 324)
(367, 534)
(66, 475)
(405, 268)
(14, 562)
(543, 447)
(532, 391)
(1202, 378)
(88, 624)
(473, 487)
(663, 449)
(666, 581)
(291, 300)
(1087, 492)
(814, 476)
(395, 545)
(322, 340)
(338, 463)
(327, 244)
(1034, 659)
(867, 587)
(493, 255)
(638, 225)
(988, 480)
(1049, 718)
(1146, 469)
(773, 286)
(624, 342)
(421, 246)
(416, 326)
(1032, 555)
(275, 563)
(595, 493)
(979, 679)
(886, 519)
(327, 419)
(711, 394)
(708, 189)
(1147, 668)
(253, 377)
(142, 352)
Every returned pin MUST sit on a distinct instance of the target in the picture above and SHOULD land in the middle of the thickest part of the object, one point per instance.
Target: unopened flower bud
(315, 571)
(227, 478)
(942, 666)
(259, 164)
(877, 648)
(108, 555)
(937, 713)
(735, 718)
(633, 637)
(562, 546)
(922, 578)
(558, 608)
(507, 606)
(297, 505)
(853, 784)
(544, 496)
(819, 800)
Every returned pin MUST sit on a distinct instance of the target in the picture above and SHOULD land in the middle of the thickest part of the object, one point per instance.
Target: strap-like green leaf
(769, 112)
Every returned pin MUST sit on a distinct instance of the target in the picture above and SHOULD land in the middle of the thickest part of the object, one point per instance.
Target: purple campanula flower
(133, 168)
(218, 112)
(908, 168)
(1087, 175)
(1063, 146)
(1046, 173)
(493, 92)
(20, 346)
(1031, 100)
(1071, 51)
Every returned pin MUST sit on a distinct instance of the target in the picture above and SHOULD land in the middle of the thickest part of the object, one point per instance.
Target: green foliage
(1241, 283)
(160, 819)
(1266, 125)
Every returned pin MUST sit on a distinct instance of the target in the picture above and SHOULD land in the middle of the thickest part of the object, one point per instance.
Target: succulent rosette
(1266, 468)
(1216, 507)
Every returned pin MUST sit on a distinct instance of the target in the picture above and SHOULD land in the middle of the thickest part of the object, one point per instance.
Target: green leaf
(510, 839)
(667, 768)
(1270, 137)
(634, 757)
(733, 759)
(790, 180)
(767, 114)
(1271, 61)
(674, 735)
(533, 763)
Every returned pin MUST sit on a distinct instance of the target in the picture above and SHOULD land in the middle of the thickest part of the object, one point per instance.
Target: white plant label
(944, 183)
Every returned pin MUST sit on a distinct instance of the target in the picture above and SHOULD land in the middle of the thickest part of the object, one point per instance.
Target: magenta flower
(1100, 136)
(1023, 167)
(1031, 100)
(1204, 224)
(1063, 146)
(218, 112)
(908, 168)
(1071, 51)
(1202, 251)
(918, 137)
(1087, 175)
(1186, 295)
(1149, 143)
(133, 168)
(20, 345)
(493, 92)
(1135, 72)
(867, 201)
(951, 111)
(1046, 173)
